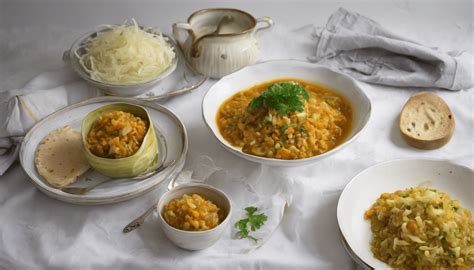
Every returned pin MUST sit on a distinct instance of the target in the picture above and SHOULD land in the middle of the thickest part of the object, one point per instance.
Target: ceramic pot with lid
(220, 40)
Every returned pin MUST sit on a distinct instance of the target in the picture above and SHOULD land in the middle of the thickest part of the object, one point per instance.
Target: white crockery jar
(220, 40)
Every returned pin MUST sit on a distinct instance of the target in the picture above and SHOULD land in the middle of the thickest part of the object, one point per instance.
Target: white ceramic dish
(195, 240)
(172, 144)
(367, 186)
(217, 52)
(255, 74)
(116, 89)
(351, 253)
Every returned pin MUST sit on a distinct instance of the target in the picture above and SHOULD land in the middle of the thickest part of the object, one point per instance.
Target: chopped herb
(283, 128)
(442, 235)
(278, 145)
(455, 209)
(253, 222)
(302, 129)
(284, 97)
(451, 253)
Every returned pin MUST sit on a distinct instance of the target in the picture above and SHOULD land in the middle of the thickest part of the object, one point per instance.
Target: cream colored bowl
(191, 240)
(144, 160)
(266, 71)
(121, 90)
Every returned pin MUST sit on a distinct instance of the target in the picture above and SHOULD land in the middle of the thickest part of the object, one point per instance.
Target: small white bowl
(198, 240)
(266, 71)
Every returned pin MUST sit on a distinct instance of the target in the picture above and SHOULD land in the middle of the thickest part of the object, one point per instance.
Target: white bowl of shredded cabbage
(123, 60)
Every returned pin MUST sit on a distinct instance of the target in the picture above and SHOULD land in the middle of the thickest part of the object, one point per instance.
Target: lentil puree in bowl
(286, 118)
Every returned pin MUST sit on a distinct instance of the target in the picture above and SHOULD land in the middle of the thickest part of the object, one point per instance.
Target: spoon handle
(139, 220)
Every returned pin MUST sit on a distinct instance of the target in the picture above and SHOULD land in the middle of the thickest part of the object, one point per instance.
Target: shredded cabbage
(126, 55)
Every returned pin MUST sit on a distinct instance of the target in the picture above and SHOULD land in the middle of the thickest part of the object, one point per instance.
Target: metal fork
(84, 190)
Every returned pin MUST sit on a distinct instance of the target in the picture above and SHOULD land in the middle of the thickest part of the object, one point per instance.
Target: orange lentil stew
(285, 119)
(192, 213)
(116, 135)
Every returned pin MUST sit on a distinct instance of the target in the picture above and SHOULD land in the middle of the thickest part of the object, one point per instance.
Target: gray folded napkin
(363, 49)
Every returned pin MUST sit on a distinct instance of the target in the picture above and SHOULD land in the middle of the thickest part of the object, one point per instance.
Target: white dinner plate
(172, 147)
(363, 190)
(351, 253)
(266, 71)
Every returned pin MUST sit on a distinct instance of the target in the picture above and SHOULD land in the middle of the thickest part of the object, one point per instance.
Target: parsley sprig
(252, 222)
(284, 97)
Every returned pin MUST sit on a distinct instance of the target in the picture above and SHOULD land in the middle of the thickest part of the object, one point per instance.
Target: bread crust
(427, 143)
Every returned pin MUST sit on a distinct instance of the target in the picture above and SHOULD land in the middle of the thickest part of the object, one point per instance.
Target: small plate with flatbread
(52, 154)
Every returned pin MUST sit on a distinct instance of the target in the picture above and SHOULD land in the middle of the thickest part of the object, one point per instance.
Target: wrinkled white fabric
(367, 51)
(242, 195)
(37, 232)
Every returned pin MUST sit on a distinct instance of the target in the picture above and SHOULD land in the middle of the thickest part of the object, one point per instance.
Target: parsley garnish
(442, 235)
(451, 253)
(284, 97)
(302, 129)
(253, 220)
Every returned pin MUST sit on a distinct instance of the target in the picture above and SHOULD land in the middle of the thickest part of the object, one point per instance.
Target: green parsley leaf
(302, 129)
(256, 103)
(284, 97)
(253, 221)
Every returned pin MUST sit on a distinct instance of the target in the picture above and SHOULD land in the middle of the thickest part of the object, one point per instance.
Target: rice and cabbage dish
(421, 228)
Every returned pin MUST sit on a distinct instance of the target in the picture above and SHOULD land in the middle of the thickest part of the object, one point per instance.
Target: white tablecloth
(39, 232)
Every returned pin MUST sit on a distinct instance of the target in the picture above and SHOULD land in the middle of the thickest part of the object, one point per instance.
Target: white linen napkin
(363, 49)
(242, 195)
(21, 109)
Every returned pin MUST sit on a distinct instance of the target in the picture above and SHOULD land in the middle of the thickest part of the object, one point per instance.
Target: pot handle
(177, 27)
(267, 20)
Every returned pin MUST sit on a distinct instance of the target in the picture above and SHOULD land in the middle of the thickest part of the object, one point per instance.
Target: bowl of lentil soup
(194, 216)
(285, 112)
(119, 140)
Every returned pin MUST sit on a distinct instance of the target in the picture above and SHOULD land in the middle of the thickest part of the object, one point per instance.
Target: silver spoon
(195, 52)
(137, 222)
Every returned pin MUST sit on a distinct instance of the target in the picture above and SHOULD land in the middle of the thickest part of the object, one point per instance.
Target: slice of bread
(426, 121)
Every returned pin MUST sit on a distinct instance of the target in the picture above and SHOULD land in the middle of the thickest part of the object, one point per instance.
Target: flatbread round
(59, 157)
